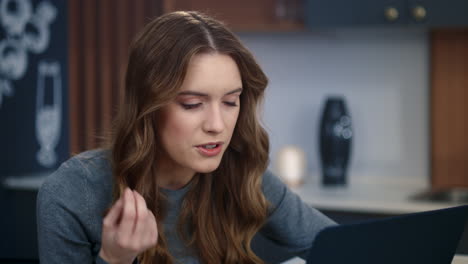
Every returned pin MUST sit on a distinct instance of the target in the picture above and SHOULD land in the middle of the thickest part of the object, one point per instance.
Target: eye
(230, 103)
(190, 106)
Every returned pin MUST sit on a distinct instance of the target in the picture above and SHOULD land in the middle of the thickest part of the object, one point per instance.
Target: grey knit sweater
(72, 201)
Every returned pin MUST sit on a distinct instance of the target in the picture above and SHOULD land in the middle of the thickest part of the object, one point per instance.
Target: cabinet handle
(391, 13)
(281, 9)
(419, 13)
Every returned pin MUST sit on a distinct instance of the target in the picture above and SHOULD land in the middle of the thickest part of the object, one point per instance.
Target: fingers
(152, 236)
(146, 230)
(127, 224)
(112, 217)
(129, 228)
(137, 229)
(141, 215)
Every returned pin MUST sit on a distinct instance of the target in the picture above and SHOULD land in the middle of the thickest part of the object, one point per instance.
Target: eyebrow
(206, 95)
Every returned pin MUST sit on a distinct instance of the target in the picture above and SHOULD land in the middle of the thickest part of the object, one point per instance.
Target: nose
(214, 120)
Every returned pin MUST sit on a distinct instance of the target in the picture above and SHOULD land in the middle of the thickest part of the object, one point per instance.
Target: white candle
(291, 165)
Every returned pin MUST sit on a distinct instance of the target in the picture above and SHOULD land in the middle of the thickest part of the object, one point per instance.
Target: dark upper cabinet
(439, 13)
(247, 15)
(356, 12)
(284, 15)
(428, 13)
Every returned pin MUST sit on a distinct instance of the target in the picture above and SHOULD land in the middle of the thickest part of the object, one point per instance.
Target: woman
(184, 179)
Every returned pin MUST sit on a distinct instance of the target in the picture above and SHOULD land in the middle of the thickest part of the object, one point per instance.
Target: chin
(207, 168)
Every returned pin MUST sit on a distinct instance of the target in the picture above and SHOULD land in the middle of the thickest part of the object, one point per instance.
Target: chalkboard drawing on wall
(48, 116)
(33, 87)
(25, 31)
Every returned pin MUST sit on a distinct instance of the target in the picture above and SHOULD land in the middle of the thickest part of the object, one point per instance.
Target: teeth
(210, 146)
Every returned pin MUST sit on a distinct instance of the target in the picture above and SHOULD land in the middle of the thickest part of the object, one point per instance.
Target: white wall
(383, 73)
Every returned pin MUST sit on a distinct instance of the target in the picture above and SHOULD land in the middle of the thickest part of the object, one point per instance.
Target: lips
(210, 149)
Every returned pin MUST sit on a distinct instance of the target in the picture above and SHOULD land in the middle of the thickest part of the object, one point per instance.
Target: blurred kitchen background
(401, 65)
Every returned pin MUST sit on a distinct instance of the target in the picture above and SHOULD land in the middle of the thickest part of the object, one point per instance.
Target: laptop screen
(428, 237)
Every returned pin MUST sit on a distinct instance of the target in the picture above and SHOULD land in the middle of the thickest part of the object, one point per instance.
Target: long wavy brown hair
(224, 209)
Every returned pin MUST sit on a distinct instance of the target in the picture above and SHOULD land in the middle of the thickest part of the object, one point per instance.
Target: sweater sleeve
(62, 217)
(291, 223)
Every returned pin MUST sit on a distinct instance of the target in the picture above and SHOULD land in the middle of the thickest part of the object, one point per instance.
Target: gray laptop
(429, 237)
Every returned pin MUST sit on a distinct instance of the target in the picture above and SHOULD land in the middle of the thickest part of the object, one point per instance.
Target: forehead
(212, 73)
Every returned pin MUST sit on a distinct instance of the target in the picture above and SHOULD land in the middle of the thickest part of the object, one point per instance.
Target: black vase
(335, 141)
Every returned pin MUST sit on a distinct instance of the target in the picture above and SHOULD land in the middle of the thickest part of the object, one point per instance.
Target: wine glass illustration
(48, 115)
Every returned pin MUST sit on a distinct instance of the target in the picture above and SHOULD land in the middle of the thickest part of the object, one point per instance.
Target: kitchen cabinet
(283, 15)
(438, 13)
(448, 118)
(246, 15)
(427, 13)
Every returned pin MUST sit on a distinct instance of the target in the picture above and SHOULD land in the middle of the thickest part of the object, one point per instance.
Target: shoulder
(271, 181)
(83, 180)
(72, 201)
(291, 222)
(87, 167)
(273, 188)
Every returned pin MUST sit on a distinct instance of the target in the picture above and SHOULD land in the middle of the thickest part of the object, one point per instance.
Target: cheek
(178, 127)
(232, 119)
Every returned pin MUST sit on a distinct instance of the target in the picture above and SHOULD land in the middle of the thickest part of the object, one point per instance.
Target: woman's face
(196, 128)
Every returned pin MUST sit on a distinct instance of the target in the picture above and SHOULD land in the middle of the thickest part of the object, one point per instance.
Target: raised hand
(128, 229)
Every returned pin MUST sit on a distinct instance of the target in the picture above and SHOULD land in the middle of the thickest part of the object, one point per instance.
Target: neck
(172, 184)
(173, 179)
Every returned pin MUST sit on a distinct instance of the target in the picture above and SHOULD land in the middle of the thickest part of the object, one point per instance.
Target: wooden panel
(139, 16)
(74, 23)
(100, 34)
(122, 42)
(106, 49)
(90, 68)
(449, 110)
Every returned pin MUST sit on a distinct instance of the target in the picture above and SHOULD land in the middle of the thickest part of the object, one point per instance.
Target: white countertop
(26, 182)
(386, 195)
(458, 259)
(371, 194)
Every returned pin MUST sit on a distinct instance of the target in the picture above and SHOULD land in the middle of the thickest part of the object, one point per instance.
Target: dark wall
(33, 58)
(20, 109)
(18, 224)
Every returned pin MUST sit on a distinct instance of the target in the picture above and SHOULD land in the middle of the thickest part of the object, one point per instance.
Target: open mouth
(210, 146)
(210, 149)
